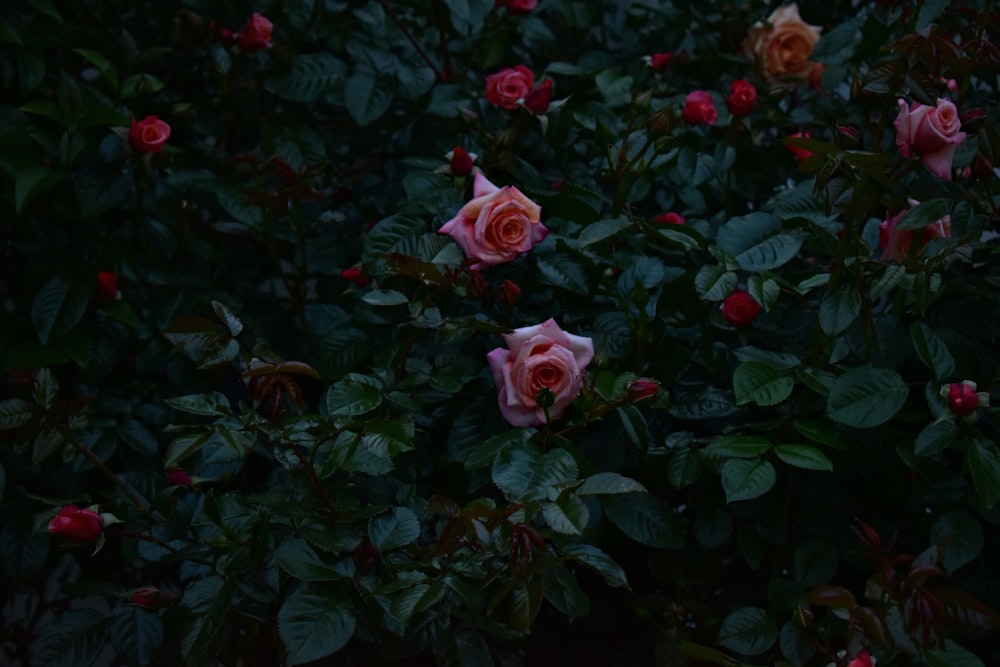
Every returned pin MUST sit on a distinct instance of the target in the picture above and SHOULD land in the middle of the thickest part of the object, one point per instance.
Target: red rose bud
(148, 135)
(538, 99)
(963, 399)
(107, 286)
(355, 276)
(798, 151)
(743, 98)
(699, 109)
(73, 523)
(256, 34)
(517, 6)
(178, 477)
(670, 218)
(740, 309)
(147, 597)
(460, 162)
(509, 293)
(642, 389)
(863, 660)
(659, 61)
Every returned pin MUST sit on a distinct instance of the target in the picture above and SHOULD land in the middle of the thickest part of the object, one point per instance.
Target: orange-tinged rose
(783, 44)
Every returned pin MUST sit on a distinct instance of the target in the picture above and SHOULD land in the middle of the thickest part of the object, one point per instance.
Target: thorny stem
(413, 40)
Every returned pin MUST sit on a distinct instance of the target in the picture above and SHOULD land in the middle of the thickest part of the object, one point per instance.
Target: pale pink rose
(497, 224)
(784, 45)
(539, 357)
(932, 133)
(896, 245)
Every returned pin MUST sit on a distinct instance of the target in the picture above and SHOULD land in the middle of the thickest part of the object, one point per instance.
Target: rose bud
(538, 99)
(148, 135)
(798, 151)
(73, 523)
(699, 109)
(147, 597)
(670, 218)
(863, 660)
(743, 98)
(517, 6)
(659, 61)
(509, 293)
(256, 34)
(460, 162)
(642, 389)
(178, 477)
(355, 276)
(740, 309)
(107, 286)
(963, 400)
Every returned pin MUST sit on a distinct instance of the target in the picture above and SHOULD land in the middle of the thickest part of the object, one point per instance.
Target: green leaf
(645, 518)
(961, 536)
(601, 230)
(748, 630)
(14, 412)
(932, 350)
(936, 437)
(341, 351)
(385, 297)
(765, 291)
(136, 634)
(839, 309)
(461, 647)
(865, 396)
(134, 434)
(233, 323)
(183, 447)
(760, 383)
(235, 204)
(299, 559)
(745, 479)
(393, 530)
(210, 405)
(561, 270)
(892, 275)
(759, 241)
(714, 282)
(814, 562)
(605, 483)
(525, 601)
(796, 645)
(352, 396)
(388, 438)
(22, 552)
(523, 473)
(208, 601)
(924, 214)
(416, 599)
(563, 592)
(952, 655)
(597, 560)
(567, 515)
(467, 16)
(820, 431)
(31, 182)
(103, 65)
(57, 308)
(983, 460)
(75, 639)
(367, 95)
(738, 446)
(307, 78)
(314, 624)
(804, 456)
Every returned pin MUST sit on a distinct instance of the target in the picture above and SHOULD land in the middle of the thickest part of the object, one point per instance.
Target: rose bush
(334, 434)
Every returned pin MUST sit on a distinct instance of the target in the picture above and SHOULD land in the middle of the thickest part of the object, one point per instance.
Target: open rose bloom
(497, 225)
(932, 133)
(539, 357)
(784, 44)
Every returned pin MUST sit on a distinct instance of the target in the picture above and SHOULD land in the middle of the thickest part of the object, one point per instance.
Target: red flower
(178, 477)
(147, 597)
(148, 135)
(73, 523)
(538, 99)
(863, 660)
(699, 109)
(962, 398)
(659, 61)
(509, 86)
(642, 389)
(798, 151)
(670, 218)
(460, 162)
(355, 275)
(743, 98)
(107, 286)
(740, 309)
(256, 34)
(517, 6)
(509, 293)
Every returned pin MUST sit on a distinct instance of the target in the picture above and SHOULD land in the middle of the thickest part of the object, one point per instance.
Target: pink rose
(538, 98)
(863, 660)
(699, 109)
(896, 245)
(497, 225)
(539, 357)
(256, 34)
(74, 523)
(509, 86)
(148, 135)
(930, 132)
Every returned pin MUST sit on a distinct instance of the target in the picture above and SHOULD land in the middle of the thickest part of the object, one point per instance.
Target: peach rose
(539, 357)
(497, 225)
(933, 133)
(784, 44)
(896, 245)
